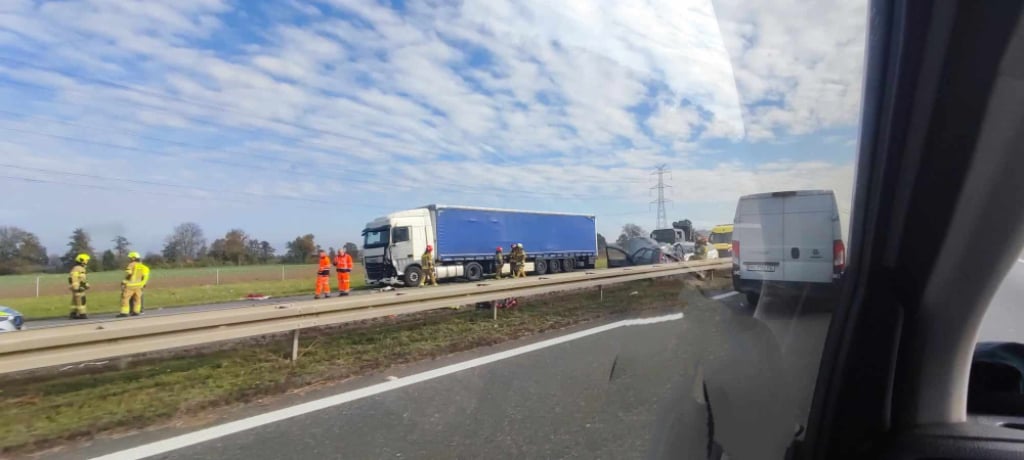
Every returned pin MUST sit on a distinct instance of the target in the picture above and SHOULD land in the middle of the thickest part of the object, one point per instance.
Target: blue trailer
(465, 238)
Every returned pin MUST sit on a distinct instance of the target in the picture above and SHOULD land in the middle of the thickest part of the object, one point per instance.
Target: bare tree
(121, 247)
(185, 243)
(630, 231)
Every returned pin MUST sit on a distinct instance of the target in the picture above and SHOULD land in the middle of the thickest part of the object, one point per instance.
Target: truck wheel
(554, 266)
(413, 276)
(540, 267)
(474, 271)
(568, 265)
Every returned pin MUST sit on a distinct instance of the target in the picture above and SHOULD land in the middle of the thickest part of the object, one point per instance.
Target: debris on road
(256, 297)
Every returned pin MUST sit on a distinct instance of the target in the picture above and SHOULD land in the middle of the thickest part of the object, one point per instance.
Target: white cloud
(564, 99)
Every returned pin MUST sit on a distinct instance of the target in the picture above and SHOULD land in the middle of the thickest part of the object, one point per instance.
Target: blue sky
(286, 118)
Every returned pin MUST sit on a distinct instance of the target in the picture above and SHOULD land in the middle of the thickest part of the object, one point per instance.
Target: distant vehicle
(11, 319)
(639, 251)
(787, 238)
(689, 248)
(464, 240)
(721, 239)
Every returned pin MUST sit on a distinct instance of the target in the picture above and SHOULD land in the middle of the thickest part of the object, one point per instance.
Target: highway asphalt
(628, 392)
(631, 392)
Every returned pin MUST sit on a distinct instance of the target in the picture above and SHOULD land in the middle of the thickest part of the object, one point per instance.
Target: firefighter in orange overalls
(343, 266)
(323, 276)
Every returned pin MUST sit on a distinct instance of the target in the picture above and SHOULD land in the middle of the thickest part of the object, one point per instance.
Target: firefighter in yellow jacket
(519, 254)
(78, 285)
(427, 264)
(142, 290)
(135, 277)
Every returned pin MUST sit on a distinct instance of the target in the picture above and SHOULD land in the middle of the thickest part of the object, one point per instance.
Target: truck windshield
(717, 238)
(376, 237)
(665, 235)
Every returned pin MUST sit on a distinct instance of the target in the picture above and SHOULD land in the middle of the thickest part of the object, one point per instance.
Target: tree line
(186, 246)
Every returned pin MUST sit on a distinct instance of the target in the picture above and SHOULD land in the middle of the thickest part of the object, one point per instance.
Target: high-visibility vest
(145, 273)
(324, 268)
(343, 262)
(135, 275)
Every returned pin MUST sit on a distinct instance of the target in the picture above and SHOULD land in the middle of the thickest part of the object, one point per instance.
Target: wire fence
(20, 286)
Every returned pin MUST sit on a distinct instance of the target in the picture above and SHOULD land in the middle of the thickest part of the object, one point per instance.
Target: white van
(787, 238)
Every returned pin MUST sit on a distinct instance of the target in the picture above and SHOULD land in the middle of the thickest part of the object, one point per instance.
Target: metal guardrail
(58, 346)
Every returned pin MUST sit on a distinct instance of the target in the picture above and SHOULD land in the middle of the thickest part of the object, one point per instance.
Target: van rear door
(809, 221)
(758, 228)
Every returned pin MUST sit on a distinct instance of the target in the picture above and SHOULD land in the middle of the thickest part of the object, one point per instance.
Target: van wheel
(753, 298)
(474, 271)
(554, 266)
(413, 276)
(540, 267)
(568, 265)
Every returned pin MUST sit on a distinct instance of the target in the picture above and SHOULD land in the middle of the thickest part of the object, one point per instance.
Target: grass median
(110, 301)
(56, 306)
(38, 412)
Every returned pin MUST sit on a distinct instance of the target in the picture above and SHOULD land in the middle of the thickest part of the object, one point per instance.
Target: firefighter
(343, 267)
(427, 264)
(323, 276)
(131, 286)
(520, 256)
(499, 262)
(142, 293)
(700, 249)
(78, 285)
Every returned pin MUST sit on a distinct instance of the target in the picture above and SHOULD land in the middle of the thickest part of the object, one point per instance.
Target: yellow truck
(721, 239)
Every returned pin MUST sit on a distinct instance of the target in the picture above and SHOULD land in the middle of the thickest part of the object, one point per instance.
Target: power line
(164, 184)
(215, 107)
(662, 217)
(350, 177)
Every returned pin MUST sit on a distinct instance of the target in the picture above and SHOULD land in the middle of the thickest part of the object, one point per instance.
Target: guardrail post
(282, 273)
(494, 307)
(218, 277)
(37, 286)
(295, 345)
(601, 289)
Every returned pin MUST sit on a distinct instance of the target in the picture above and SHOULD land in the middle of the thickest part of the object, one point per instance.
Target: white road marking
(1020, 260)
(724, 296)
(214, 432)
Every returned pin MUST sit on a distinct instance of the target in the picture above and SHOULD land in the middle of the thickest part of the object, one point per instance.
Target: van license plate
(760, 268)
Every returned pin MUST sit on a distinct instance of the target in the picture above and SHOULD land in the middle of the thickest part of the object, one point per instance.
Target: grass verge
(42, 411)
(110, 301)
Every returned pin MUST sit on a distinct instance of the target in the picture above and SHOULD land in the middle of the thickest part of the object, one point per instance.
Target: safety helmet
(430, 248)
(519, 245)
(498, 249)
(133, 255)
(341, 249)
(82, 258)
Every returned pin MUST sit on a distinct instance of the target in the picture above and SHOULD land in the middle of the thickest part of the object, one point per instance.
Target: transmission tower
(662, 218)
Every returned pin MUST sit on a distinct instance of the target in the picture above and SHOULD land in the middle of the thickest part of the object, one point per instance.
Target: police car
(11, 319)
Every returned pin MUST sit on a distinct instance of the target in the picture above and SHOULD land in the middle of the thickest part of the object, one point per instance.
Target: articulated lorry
(465, 238)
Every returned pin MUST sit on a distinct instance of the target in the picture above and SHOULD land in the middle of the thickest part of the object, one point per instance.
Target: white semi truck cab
(464, 241)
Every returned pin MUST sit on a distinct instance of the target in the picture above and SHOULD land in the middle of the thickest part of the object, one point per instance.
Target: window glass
(400, 234)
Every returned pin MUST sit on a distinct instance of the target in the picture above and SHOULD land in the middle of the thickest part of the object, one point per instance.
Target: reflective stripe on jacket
(134, 275)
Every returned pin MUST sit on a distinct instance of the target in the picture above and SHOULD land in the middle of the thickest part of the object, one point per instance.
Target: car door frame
(937, 163)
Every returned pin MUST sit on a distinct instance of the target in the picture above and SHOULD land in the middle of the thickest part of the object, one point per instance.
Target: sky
(284, 117)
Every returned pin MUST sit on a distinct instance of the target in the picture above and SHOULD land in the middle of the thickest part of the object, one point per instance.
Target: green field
(176, 287)
(107, 301)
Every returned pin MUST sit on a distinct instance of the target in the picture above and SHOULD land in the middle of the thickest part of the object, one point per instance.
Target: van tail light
(838, 257)
(735, 249)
